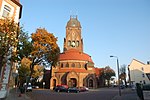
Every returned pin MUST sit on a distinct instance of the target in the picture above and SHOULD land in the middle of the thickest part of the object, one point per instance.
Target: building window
(73, 44)
(143, 75)
(79, 65)
(69, 43)
(6, 11)
(140, 81)
(62, 65)
(142, 68)
(67, 65)
(144, 82)
(77, 44)
(73, 65)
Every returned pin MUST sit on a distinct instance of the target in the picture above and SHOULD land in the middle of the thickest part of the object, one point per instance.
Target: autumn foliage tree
(39, 50)
(24, 70)
(45, 49)
(9, 30)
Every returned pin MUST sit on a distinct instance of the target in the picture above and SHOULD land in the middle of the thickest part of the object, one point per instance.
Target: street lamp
(118, 74)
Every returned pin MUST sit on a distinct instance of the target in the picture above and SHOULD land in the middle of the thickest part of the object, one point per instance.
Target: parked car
(83, 89)
(27, 87)
(122, 86)
(73, 89)
(61, 88)
(87, 89)
(35, 87)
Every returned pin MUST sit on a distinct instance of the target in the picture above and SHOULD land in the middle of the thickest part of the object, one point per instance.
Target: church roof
(98, 71)
(73, 22)
(74, 54)
(77, 70)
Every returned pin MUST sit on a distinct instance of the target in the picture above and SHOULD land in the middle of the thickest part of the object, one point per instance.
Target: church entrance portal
(91, 83)
(72, 82)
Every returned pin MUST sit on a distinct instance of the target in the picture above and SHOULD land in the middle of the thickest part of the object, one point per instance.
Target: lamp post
(118, 74)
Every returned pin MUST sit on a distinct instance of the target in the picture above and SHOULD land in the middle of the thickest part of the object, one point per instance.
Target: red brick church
(75, 68)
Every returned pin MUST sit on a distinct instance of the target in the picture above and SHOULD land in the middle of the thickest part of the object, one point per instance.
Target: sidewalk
(146, 95)
(15, 95)
(127, 94)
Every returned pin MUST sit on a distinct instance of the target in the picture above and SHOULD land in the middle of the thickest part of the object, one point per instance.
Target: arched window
(61, 65)
(67, 65)
(79, 65)
(69, 43)
(83, 66)
(73, 65)
(77, 44)
(73, 44)
(6, 11)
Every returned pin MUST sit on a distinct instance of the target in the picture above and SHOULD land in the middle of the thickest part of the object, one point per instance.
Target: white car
(28, 87)
(87, 89)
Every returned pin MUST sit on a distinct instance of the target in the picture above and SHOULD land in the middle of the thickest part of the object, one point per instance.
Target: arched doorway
(91, 83)
(72, 82)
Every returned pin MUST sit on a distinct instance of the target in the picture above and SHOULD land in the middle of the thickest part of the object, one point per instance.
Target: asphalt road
(97, 94)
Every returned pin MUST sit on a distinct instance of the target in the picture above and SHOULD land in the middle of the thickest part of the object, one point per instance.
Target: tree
(41, 51)
(9, 31)
(101, 77)
(122, 75)
(24, 47)
(107, 73)
(24, 71)
(45, 49)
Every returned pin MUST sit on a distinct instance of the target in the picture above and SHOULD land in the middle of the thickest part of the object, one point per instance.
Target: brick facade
(75, 68)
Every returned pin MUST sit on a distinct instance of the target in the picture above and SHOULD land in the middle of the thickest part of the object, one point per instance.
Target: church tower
(73, 38)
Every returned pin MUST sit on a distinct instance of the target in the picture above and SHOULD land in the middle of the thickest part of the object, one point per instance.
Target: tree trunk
(1, 63)
(31, 69)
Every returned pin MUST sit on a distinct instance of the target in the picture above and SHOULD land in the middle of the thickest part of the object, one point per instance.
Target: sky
(109, 27)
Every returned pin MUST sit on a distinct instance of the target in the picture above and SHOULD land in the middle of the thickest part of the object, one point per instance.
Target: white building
(139, 72)
(8, 9)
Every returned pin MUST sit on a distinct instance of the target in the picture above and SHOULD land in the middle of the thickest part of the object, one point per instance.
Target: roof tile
(74, 54)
